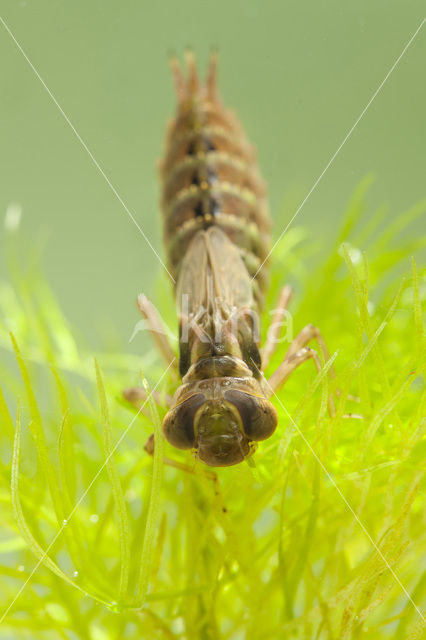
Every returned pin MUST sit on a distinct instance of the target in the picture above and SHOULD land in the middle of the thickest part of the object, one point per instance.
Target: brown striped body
(210, 177)
(216, 234)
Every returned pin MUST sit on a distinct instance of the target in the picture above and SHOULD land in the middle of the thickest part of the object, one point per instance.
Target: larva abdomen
(210, 175)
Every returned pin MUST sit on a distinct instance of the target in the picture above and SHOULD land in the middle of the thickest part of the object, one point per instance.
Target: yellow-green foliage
(323, 537)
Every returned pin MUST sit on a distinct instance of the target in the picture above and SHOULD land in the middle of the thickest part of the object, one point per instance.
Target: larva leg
(157, 329)
(276, 325)
(308, 333)
(138, 395)
(286, 368)
(149, 448)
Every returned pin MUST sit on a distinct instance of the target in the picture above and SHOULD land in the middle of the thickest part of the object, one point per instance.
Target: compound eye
(178, 423)
(258, 415)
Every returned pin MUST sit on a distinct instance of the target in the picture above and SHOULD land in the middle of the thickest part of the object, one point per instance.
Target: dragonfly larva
(216, 234)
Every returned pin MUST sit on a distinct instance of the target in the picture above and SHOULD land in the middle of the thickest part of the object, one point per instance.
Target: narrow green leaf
(355, 208)
(381, 415)
(67, 466)
(152, 520)
(73, 536)
(365, 321)
(37, 430)
(308, 536)
(43, 456)
(19, 516)
(5, 416)
(418, 315)
(320, 379)
(400, 223)
(117, 491)
(62, 392)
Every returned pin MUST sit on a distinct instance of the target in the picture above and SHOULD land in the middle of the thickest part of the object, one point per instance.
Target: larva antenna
(193, 80)
(178, 79)
(211, 82)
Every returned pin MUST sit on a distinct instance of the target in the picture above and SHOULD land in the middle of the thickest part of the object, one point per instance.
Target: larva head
(220, 419)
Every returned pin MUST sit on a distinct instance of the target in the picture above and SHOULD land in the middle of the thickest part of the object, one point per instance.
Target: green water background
(299, 75)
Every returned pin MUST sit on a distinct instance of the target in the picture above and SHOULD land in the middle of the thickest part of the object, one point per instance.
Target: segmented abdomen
(210, 176)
